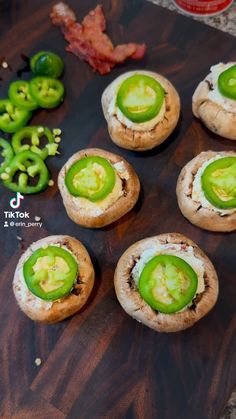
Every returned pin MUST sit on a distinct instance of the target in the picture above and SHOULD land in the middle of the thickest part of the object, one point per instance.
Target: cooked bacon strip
(88, 40)
(95, 19)
(62, 14)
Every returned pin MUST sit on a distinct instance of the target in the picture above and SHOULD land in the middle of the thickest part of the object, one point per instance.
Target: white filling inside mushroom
(214, 95)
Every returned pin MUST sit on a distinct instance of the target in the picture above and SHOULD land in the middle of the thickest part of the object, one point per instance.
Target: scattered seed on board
(38, 362)
(4, 176)
(4, 64)
(56, 131)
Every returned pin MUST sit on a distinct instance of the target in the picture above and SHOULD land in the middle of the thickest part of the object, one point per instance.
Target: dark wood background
(101, 363)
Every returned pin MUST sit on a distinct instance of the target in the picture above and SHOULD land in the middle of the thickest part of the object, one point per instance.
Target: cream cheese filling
(198, 194)
(142, 126)
(26, 294)
(215, 95)
(94, 209)
(185, 253)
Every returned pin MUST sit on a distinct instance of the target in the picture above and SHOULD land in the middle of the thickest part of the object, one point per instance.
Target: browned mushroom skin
(204, 218)
(212, 114)
(142, 140)
(60, 309)
(124, 203)
(132, 302)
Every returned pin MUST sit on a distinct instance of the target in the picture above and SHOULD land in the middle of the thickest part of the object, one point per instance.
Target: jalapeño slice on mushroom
(140, 98)
(168, 283)
(227, 83)
(91, 177)
(50, 272)
(219, 183)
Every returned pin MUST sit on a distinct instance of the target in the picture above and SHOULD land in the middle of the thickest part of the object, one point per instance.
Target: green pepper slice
(7, 153)
(12, 117)
(219, 183)
(227, 83)
(168, 283)
(46, 63)
(91, 177)
(50, 273)
(19, 94)
(47, 92)
(34, 134)
(140, 98)
(33, 175)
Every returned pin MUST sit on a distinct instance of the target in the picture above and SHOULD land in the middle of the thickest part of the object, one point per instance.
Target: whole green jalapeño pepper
(140, 98)
(12, 118)
(19, 95)
(7, 153)
(219, 183)
(227, 83)
(50, 273)
(91, 177)
(34, 134)
(47, 92)
(168, 283)
(46, 63)
(26, 173)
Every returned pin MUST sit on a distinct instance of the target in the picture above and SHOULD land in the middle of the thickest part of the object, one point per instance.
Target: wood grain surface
(101, 363)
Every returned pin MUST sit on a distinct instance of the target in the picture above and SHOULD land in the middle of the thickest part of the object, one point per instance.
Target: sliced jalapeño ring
(219, 183)
(34, 134)
(26, 173)
(46, 91)
(6, 152)
(91, 177)
(168, 283)
(12, 117)
(50, 272)
(140, 98)
(227, 83)
(19, 94)
(46, 63)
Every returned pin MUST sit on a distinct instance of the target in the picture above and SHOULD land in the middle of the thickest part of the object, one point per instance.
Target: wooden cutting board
(101, 363)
